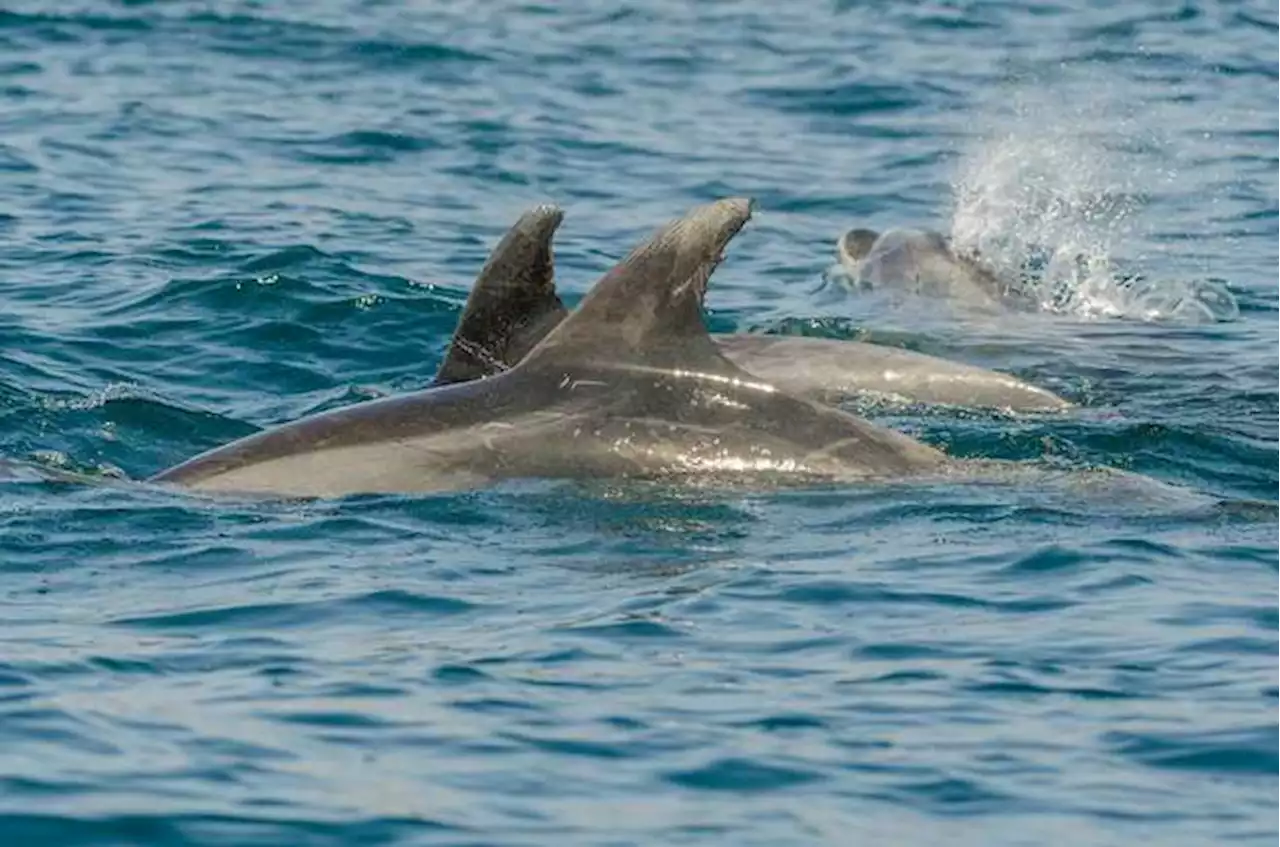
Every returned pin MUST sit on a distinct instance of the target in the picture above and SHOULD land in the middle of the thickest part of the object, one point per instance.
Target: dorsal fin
(513, 304)
(647, 310)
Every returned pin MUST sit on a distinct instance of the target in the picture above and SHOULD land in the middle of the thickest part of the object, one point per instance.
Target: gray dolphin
(923, 263)
(514, 304)
(630, 386)
(831, 370)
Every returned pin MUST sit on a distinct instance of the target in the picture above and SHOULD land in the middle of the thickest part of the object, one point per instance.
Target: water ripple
(218, 219)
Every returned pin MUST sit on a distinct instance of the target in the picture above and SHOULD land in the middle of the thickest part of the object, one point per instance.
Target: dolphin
(629, 386)
(514, 304)
(830, 370)
(923, 263)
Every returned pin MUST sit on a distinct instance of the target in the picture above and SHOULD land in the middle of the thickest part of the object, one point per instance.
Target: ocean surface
(219, 216)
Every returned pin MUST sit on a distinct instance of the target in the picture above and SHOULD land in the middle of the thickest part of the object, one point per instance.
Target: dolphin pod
(629, 386)
(513, 304)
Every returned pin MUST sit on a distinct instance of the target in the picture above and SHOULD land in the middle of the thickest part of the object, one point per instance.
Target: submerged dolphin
(630, 386)
(923, 263)
(514, 304)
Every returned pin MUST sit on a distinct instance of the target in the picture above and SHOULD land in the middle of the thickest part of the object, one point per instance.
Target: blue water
(222, 216)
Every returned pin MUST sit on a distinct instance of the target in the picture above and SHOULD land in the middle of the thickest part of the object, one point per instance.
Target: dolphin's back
(833, 370)
(302, 455)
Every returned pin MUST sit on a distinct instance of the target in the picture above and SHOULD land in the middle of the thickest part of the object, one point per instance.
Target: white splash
(1054, 190)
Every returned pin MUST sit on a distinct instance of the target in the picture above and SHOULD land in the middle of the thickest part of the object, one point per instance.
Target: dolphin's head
(854, 245)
